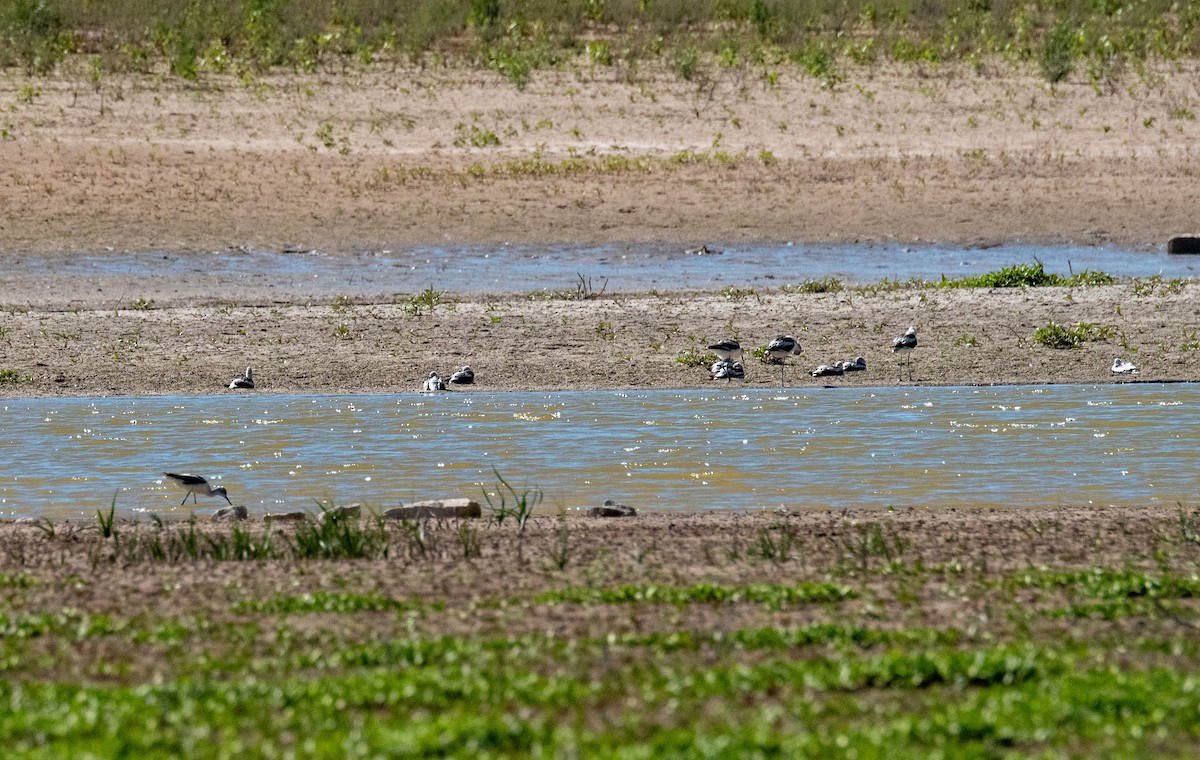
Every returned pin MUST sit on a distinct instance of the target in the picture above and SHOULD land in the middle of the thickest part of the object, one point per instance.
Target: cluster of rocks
(418, 510)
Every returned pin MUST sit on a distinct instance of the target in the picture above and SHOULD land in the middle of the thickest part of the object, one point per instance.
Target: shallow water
(724, 447)
(126, 276)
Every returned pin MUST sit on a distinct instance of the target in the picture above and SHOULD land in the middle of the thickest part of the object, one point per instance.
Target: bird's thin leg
(184, 499)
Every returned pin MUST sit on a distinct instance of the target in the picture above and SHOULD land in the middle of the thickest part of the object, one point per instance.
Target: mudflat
(384, 158)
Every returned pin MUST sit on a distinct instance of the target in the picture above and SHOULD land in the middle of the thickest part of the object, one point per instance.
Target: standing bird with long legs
(729, 350)
(194, 484)
(906, 343)
(780, 349)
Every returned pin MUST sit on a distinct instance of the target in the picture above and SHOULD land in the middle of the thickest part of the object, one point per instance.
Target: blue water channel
(509, 268)
(729, 448)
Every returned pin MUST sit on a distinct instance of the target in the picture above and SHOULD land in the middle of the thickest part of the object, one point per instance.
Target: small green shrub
(1055, 335)
(694, 358)
(826, 285)
(1057, 56)
(1027, 276)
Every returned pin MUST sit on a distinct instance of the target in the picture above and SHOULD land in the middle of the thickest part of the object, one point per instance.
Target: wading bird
(194, 484)
(729, 350)
(780, 349)
(906, 342)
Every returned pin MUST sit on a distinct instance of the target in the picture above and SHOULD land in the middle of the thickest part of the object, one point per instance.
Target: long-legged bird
(194, 484)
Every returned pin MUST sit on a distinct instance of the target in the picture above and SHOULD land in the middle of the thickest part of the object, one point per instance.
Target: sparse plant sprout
(605, 330)
(427, 301)
(1190, 342)
(560, 550)
(511, 504)
(143, 305)
(106, 521)
(966, 340)
(693, 357)
(824, 285)
(733, 293)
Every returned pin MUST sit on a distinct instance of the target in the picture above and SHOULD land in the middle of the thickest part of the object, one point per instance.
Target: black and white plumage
(724, 369)
(465, 376)
(729, 350)
(194, 484)
(825, 370)
(780, 349)
(1124, 367)
(434, 382)
(858, 365)
(245, 381)
(906, 343)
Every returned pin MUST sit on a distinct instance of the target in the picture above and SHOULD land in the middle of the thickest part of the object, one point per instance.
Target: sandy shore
(407, 158)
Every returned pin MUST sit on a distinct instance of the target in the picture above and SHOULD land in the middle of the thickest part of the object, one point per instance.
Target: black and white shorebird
(194, 484)
(723, 369)
(434, 382)
(779, 350)
(465, 376)
(906, 342)
(825, 370)
(729, 350)
(245, 381)
(858, 365)
(1124, 367)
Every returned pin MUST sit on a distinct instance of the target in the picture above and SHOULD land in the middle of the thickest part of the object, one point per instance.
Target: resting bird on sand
(465, 376)
(727, 370)
(825, 370)
(434, 383)
(245, 381)
(1123, 367)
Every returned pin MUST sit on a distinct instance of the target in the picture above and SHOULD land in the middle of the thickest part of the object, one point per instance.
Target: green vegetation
(772, 595)
(878, 636)
(822, 39)
(1027, 276)
(1055, 335)
(427, 301)
(826, 285)
(694, 357)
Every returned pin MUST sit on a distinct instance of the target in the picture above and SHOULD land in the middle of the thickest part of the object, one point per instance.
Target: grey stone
(225, 514)
(340, 513)
(612, 509)
(435, 508)
(271, 517)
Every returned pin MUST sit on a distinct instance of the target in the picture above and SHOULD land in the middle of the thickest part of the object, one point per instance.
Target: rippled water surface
(504, 269)
(720, 448)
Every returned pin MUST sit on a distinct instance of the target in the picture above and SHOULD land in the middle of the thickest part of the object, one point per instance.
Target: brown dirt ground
(972, 548)
(383, 158)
